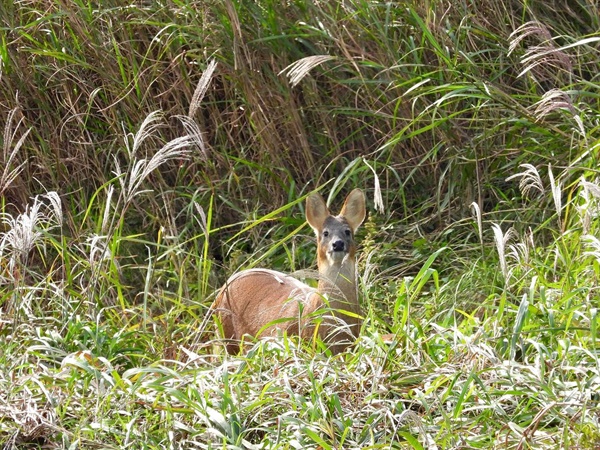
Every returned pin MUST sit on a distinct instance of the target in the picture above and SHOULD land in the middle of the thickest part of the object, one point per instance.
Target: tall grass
(149, 150)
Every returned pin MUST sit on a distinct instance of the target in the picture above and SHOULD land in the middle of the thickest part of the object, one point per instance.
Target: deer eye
(347, 232)
(325, 233)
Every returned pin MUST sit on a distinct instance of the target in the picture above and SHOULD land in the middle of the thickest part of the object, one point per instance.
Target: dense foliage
(151, 149)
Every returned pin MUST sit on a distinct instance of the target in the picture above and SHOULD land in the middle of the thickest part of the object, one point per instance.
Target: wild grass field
(152, 149)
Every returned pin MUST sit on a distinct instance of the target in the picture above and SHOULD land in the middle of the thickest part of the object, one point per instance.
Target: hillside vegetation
(151, 149)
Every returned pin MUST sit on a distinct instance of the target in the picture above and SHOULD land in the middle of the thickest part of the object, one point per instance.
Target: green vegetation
(151, 149)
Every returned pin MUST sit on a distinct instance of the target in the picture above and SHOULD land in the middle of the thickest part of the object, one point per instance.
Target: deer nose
(338, 246)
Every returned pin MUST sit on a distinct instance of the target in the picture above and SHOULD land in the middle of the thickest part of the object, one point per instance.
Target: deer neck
(338, 282)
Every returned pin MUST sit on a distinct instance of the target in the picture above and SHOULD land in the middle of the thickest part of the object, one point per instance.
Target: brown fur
(262, 302)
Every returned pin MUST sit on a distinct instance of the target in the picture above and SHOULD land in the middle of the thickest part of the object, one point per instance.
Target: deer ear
(354, 209)
(316, 212)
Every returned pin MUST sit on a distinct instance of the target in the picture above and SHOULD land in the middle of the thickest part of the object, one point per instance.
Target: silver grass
(299, 69)
(519, 252)
(501, 240)
(202, 88)
(543, 55)
(55, 207)
(195, 134)
(556, 100)
(377, 197)
(592, 247)
(147, 129)
(25, 231)
(530, 180)
(477, 214)
(107, 208)
(556, 189)
(587, 206)
(21, 236)
(202, 220)
(99, 250)
(528, 29)
(8, 175)
(141, 168)
(591, 189)
(559, 51)
(529, 238)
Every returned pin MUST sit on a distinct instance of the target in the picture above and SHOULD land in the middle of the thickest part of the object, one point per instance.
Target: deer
(266, 303)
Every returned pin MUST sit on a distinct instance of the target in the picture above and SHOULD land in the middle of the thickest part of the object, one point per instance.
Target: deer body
(263, 302)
